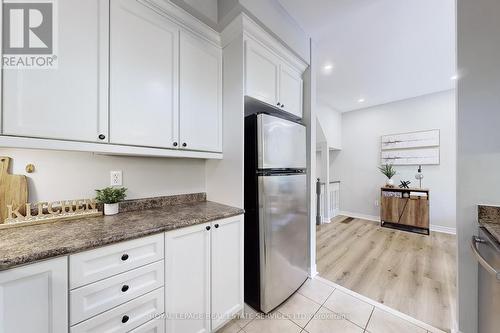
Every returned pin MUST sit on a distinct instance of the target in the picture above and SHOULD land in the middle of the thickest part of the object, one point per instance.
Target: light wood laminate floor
(414, 274)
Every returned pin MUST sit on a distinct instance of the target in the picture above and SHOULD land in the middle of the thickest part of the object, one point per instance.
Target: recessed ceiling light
(454, 78)
(361, 100)
(328, 68)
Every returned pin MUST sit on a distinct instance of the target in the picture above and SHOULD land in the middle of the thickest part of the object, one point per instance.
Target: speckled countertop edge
(26, 245)
(489, 218)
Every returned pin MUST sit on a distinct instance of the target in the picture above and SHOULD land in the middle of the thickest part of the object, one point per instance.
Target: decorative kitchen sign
(416, 148)
(43, 212)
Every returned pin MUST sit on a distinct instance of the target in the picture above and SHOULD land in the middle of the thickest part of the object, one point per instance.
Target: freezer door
(281, 143)
(283, 237)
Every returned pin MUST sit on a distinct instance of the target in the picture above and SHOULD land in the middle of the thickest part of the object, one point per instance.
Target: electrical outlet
(116, 178)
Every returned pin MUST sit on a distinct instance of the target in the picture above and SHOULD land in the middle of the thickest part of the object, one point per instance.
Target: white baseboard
(445, 230)
(435, 228)
(360, 216)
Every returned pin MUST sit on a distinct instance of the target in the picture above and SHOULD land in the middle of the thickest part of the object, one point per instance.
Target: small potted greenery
(388, 171)
(110, 197)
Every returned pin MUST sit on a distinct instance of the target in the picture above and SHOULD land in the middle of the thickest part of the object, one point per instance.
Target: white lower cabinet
(203, 276)
(34, 298)
(227, 270)
(98, 297)
(187, 279)
(127, 316)
(153, 326)
(194, 285)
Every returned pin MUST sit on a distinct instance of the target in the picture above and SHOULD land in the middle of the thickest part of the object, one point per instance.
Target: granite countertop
(28, 244)
(489, 218)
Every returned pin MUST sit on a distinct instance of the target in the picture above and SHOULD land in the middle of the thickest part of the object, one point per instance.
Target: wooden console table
(406, 209)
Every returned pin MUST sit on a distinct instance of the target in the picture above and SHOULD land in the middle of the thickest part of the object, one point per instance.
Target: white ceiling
(381, 50)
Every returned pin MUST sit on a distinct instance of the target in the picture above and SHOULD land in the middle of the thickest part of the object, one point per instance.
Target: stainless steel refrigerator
(276, 223)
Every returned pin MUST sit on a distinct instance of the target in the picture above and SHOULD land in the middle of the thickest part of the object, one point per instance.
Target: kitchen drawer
(126, 317)
(101, 296)
(156, 325)
(98, 264)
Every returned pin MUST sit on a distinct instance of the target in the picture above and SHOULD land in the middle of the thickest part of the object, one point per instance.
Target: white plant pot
(390, 182)
(111, 209)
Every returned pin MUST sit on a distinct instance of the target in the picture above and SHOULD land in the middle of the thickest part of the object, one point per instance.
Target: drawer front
(98, 264)
(101, 296)
(156, 325)
(126, 317)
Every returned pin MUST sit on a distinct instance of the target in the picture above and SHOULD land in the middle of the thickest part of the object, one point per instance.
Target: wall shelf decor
(415, 148)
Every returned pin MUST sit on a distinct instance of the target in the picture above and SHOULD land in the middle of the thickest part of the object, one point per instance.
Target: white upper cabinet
(133, 78)
(34, 298)
(262, 73)
(291, 90)
(144, 60)
(200, 94)
(68, 102)
(271, 78)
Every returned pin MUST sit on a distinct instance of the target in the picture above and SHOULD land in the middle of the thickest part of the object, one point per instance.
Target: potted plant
(110, 197)
(388, 171)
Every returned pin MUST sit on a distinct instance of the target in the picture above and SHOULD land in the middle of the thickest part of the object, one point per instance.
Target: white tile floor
(322, 307)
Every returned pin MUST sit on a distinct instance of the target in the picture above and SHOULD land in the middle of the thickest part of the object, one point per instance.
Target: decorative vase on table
(111, 209)
(110, 197)
(388, 171)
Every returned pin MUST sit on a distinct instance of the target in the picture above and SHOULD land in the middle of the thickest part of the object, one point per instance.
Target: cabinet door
(200, 94)
(291, 90)
(34, 298)
(227, 270)
(261, 72)
(143, 76)
(70, 101)
(187, 280)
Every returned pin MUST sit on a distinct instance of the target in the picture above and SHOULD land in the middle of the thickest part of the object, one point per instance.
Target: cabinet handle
(175, 144)
(124, 288)
(125, 319)
(208, 228)
(102, 136)
(216, 226)
(184, 144)
(124, 257)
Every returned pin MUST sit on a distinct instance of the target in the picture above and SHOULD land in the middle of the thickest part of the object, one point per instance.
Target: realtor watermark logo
(29, 34)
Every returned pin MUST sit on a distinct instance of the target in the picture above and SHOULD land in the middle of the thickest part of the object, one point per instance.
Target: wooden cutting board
(13, 189)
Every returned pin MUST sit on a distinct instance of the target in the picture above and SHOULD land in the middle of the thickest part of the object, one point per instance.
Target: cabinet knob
(124, 257)
(125, 288)
(208, 227)
(125, 319)
(216, 226)
(278, 104)
(184, 144)
(175, 144)
(282, 105)
(102, 136)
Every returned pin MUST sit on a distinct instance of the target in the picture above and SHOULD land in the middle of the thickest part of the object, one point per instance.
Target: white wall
(478, 137)
(356, 165)
(72, 175)
(331, 123)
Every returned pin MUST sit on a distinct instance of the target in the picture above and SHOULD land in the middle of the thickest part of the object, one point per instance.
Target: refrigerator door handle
(475, 251)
